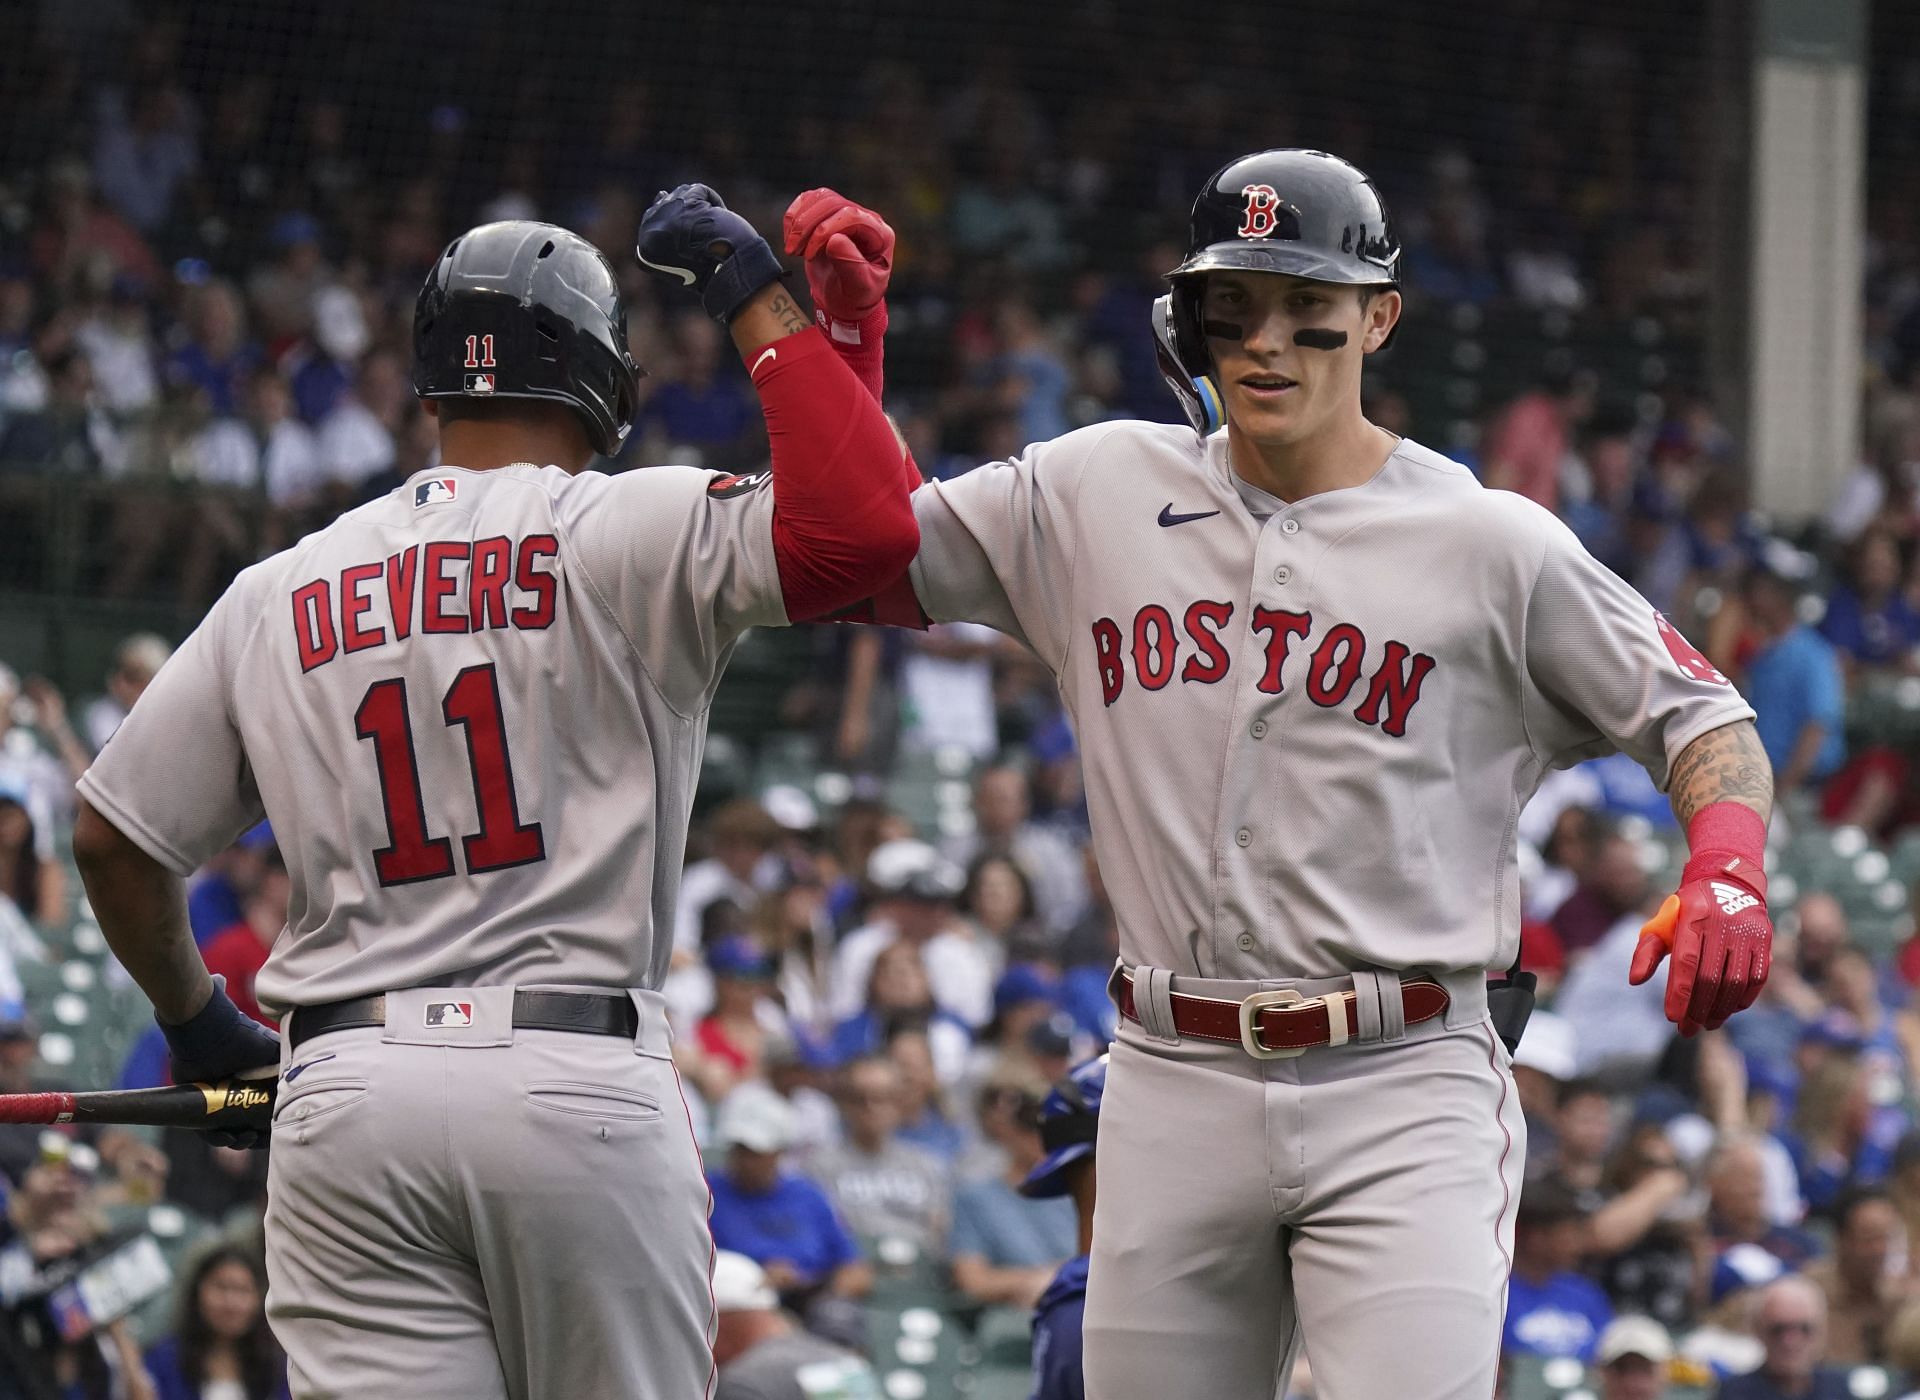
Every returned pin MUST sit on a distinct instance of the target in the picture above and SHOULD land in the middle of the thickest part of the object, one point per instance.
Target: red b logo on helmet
(1262, 211)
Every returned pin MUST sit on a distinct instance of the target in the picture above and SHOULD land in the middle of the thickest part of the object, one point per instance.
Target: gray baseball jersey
(1308, 729)
(474, 710)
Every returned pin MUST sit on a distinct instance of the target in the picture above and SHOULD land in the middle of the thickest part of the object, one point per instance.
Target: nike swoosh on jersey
(765, 355)
(1167, 517)
(682, 273)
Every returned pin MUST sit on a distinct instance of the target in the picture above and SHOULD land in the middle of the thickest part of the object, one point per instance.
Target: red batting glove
(1716, 926)
(849, 253)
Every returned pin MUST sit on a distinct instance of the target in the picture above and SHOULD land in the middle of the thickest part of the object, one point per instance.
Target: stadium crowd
(885, 955)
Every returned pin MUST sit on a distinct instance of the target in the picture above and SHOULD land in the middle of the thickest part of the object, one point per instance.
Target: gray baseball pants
(1360, 1199)
(481, 1213)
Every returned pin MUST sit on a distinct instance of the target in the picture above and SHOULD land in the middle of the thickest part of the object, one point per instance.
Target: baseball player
(474, 710)
(1315, 670)
(1069, 1126)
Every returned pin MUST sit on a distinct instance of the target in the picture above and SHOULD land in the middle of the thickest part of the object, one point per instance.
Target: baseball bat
(232, 1103)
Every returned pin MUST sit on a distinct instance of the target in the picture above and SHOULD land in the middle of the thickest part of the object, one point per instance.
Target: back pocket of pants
(594, 1101)
(321, 1099)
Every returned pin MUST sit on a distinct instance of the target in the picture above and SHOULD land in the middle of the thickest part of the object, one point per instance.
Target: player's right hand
(221, 1042)
(848, 250)
(688, 237)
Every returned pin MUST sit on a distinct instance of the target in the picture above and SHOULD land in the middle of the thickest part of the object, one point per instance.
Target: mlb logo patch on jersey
(479, 384)
(437, 492)
(449, 1013)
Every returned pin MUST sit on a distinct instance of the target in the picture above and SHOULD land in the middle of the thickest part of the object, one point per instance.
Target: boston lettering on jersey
(507, 583)
(1330, 674)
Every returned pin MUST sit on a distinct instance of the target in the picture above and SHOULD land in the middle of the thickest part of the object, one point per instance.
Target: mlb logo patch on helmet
(480, 384)
(439, 491)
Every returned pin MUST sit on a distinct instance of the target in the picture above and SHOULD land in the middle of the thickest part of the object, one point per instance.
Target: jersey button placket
(1282, 574)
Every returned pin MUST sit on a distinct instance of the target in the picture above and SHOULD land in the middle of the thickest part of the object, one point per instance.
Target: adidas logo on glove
(1733, 899)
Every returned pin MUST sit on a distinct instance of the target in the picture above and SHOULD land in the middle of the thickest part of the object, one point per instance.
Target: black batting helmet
(1304, 213)
(522, 310)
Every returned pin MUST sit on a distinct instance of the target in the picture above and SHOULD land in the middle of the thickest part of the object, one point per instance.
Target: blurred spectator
(282, 292)
(31, 879)
(19, 1142)
(884, 1189)
(729, 1039)
(913, 902)
(1620, 1031)
(925, 1119)
(1649, 1229)
(1737, 1208)
(358, 438)
(900, 997)
(1582, 1132)
(220, 1347)
(704, 406)
(117, 339)
(1861, 1288)
(145, 146)
(1794, 684)
(239, 951)
(759, 1351)
(78, 233)
(1632, 1359)
(268, 451)
(1006, 1247)
(946, 690)
(1552, 1309)
(216, 897)
(1543, 1065)
(741, 837)
(1792, 1323)
(72, 435)
(1872, 623)
(217, 357)
(1613, 886)
(1004, 826)
(1527, 442)
(136, 662)
(998, 898)
(781, 1220)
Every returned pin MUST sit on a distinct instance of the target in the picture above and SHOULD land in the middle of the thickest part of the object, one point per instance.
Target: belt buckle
(1250, 1009)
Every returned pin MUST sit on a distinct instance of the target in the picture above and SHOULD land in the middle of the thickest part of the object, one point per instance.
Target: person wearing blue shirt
(1069, 1129)
(1552, 1310)
(1795, 687)
(782, 1221)
(1006, 1245)
(1868, 618)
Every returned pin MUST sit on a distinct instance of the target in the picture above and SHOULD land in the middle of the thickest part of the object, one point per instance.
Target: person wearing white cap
(1632, 1359)
(914, 888)
(779, 1218)
(762, 1354)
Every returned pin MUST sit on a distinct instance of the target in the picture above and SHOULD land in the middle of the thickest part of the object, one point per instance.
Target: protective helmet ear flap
(1198, 395)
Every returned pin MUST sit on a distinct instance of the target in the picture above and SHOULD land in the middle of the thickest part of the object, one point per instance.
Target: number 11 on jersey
(411, 853)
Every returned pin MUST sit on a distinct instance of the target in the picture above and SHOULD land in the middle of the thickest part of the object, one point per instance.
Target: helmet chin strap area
(1197, 394)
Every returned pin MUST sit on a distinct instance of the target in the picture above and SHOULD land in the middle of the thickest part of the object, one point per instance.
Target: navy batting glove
(688, 236)
(219, 1042)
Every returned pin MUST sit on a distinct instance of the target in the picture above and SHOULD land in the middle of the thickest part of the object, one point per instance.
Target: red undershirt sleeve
(843, 528)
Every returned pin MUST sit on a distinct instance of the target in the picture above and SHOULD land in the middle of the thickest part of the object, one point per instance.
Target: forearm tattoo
(1723, 765)
(792, 319)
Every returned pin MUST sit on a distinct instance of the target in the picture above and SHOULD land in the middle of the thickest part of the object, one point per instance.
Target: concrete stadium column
(1787, 229)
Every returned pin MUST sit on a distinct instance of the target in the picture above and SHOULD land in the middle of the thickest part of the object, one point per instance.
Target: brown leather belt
(1274, 1025)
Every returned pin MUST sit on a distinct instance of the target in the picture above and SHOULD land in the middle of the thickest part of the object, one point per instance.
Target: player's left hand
(848, 250)
(219, 1042)
(688, 236)
(1721, 938)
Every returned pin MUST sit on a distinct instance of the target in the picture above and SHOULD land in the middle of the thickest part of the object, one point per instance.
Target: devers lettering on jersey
(507, 583)
(1332, 670)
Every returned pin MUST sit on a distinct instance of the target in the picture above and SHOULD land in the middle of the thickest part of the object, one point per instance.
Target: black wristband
(735, 281)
